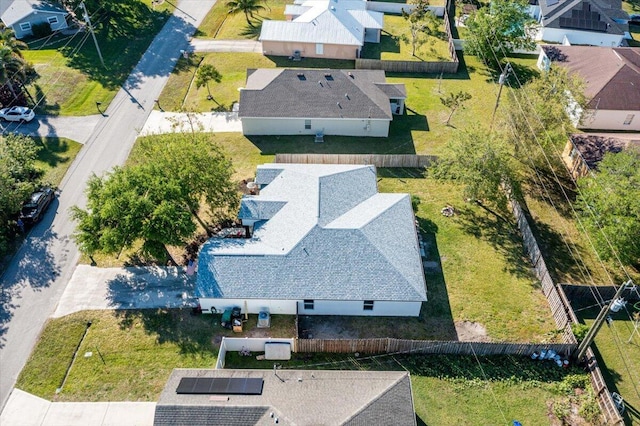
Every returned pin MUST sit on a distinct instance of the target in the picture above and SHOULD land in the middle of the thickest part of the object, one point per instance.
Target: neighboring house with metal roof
(278, 101)
(291, 397)
(585, 22)
(323, 241)
(584, 151)
(22, 15)
(335, 29)
(612, 83)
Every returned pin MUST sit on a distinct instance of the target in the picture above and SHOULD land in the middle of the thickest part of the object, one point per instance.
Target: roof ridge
(391, 386)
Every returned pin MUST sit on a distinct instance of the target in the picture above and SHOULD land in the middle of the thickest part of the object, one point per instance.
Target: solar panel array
(220, 385)
(584, 19)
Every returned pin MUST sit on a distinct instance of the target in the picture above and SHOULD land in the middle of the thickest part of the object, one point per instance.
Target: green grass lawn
(72, 79)
(631, 6)
(392, 47)
(221, 25)
(133, 352)
(55, 157)
(461, 390)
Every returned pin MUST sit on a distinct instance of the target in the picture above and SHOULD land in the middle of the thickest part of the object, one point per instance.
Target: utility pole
(88, 21)
(501, 81)
(597, 324)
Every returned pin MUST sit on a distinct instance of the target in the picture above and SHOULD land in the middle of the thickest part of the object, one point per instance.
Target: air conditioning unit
(264, 319)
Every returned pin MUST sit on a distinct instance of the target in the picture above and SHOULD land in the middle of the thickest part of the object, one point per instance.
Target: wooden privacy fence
(378, 160)
(563, 313)
(389, 345)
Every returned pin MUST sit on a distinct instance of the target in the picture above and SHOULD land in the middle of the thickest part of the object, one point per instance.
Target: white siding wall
(295, 126)
(610, 120)
(380, 308)
(286, 307)
(320, 307)
(557, 35)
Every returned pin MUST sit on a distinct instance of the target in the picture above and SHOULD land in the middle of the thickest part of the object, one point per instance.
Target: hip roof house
(323, 242)
(612, 83)
(335, 29)
(21, 15)
(277, 101)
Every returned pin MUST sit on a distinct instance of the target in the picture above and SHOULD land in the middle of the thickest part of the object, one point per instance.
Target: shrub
(43, 29)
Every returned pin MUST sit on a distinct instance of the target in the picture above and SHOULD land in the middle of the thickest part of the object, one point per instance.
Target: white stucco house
(612, 83)
(323, 241)
(277, 101)
(583, 22)
(335, 29)
(21, 15)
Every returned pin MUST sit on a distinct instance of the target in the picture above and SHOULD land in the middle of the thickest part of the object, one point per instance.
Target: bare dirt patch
(471, 332)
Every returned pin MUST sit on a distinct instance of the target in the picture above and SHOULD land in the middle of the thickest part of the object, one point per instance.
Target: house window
(308, 305)
(52, 20)
(319, 49)
(629, 119)
(368, 305)
(307, 124)
(25, 26)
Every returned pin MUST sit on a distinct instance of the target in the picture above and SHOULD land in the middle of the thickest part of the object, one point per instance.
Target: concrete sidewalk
(91, 287)
(24, 409)
(175, 122)
(206, 45)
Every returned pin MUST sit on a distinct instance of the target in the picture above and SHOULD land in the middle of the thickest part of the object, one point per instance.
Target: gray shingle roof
(304, 398)
(12, 11)
(335, 238)
(316, 93)
(556, 14)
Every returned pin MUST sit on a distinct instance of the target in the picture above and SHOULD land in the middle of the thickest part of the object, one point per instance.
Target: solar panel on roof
(220, 385)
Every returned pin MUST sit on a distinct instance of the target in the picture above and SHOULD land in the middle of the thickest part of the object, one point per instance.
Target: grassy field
(55, 157)
(393, 46)
(464, 390)
(221, 25)
(133, 352)
(66, 62)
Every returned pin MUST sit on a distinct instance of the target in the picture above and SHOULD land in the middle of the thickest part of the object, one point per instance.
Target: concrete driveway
(126, 288)
(204, 45)
(174, 122)
(78, 129)
(24, 409)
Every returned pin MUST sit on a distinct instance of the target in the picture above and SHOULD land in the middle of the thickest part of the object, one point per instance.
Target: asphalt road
(38, 274)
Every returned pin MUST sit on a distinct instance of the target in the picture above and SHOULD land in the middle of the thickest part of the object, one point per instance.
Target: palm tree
(12, 69)
(248, 7)
(8, 39)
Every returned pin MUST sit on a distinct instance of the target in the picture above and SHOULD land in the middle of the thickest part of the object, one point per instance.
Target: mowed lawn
(220, 24)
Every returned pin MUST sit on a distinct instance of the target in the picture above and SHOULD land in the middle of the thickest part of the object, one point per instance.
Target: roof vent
(328, 76)
(346, 95)
(301, 77)
(350, 74)
(333, 8)
(339, 106)
(320, 83)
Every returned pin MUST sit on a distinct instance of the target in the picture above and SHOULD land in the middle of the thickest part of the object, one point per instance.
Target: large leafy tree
(18, 178)
(497, 30)
(539, 116)
(609, 205)
(157, 199)
(248, 7)
(482, 163)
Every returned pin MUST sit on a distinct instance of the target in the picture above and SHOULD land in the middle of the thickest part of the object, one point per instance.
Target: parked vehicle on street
(33, 210)
(17, 113)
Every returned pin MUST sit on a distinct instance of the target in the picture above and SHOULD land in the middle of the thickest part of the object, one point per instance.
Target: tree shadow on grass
(53, 151)
(501, 233)
(191, 333)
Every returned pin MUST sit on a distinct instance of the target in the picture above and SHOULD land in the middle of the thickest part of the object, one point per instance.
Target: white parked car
(17, 113)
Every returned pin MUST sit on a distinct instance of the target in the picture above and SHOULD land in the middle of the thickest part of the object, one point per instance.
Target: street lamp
(157, 101)
(98, 104)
